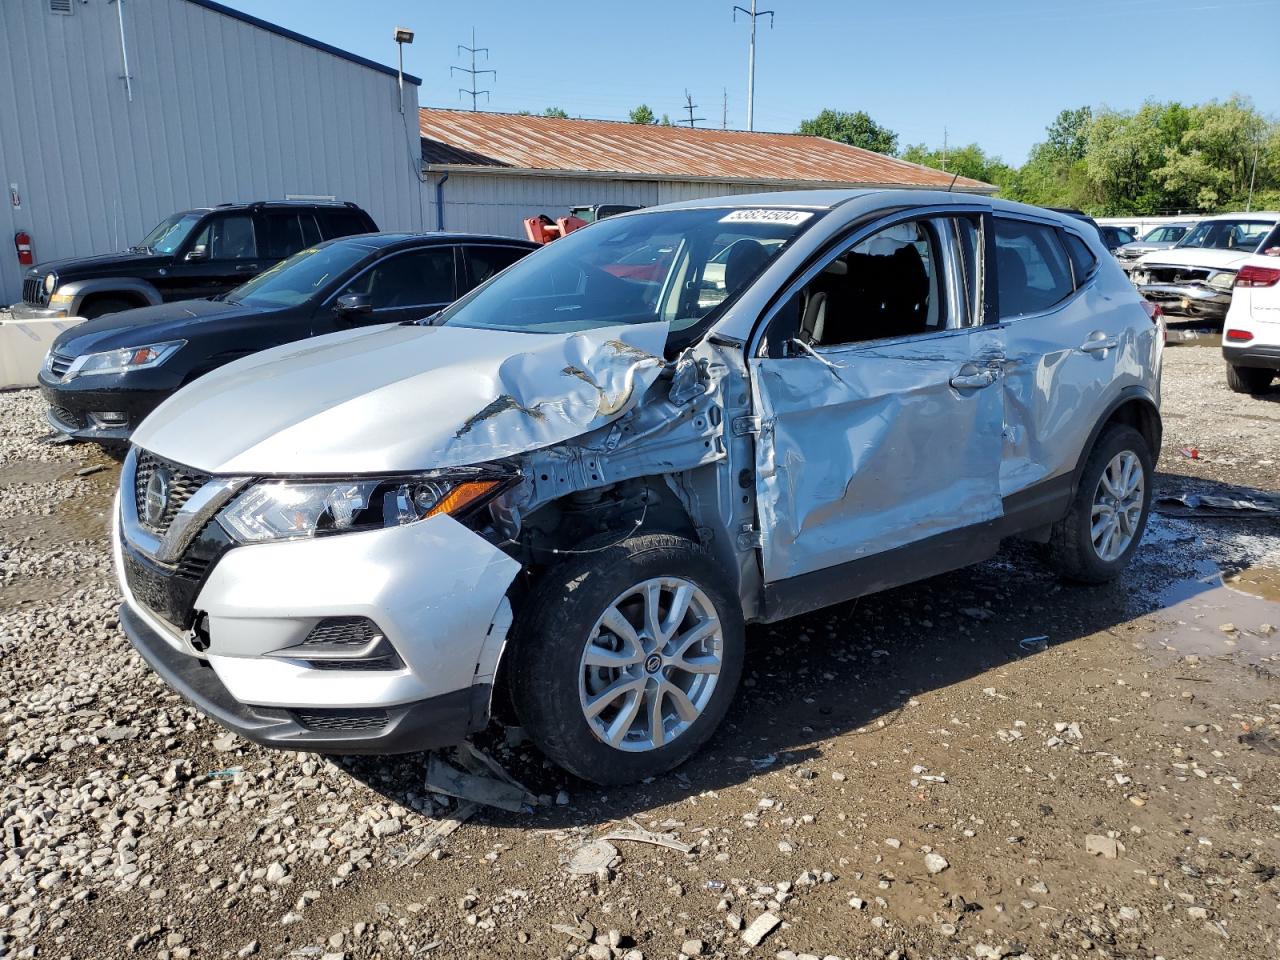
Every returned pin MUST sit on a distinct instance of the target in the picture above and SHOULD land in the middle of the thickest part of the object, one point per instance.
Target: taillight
(1153, 310)
(1239, 336)
(1251, 276)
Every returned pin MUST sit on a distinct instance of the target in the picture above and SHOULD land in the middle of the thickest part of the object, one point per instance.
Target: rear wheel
(101, 307)
(626, 659)
(1096, 538)
(1248, 379)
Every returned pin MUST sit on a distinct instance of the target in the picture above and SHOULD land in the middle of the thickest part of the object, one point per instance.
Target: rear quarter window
(341, 223)
(1083, 262)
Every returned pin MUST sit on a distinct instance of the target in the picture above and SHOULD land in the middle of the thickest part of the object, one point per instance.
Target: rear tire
(589, 662)
(1108, 516)
(100, 308)
(1248, 379)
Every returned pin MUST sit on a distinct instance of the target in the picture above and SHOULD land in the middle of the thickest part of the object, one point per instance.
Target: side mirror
(198, 252)
(350, 304)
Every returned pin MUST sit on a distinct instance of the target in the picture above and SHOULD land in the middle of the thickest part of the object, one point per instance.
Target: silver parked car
(580, 481)
(1157, 238)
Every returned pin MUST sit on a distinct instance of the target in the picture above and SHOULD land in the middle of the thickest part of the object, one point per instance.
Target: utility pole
(754, 14)
(724, 111)
(944, 148)
(1248, 204)
(691, 106)
(472, 71)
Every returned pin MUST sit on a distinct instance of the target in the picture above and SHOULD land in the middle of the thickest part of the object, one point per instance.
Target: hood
(104, 264)
(137, 328)
(1138, 248)
(403, 398)
(1196, 257)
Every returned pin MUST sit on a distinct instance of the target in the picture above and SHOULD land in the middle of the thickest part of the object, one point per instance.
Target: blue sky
(991, 71)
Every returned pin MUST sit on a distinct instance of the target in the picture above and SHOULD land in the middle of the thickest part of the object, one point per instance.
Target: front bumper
(25, 311)
(1259, 355)
(1188, 300)
(434, 722)
(435, 590)
(71, 410)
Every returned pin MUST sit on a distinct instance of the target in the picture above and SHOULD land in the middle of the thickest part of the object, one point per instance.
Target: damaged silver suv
(580, 481)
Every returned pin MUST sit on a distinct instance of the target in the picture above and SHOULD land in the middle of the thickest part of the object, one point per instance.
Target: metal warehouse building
(486, 172)
(116, 113)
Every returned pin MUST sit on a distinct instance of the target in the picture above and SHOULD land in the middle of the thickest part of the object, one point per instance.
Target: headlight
(288, 510)
(61, 299)
(1222, 281)
(124, 360)
(50, 283)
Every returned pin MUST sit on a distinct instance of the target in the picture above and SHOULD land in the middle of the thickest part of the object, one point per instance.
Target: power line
(472, 71)
(755, 15)
(691, 106)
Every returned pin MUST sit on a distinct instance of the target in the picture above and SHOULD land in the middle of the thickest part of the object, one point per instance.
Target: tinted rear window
(1083, 262)
(1034, 273)
(341, 223)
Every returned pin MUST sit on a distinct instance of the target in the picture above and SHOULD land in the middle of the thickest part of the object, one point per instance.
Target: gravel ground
(899, 777)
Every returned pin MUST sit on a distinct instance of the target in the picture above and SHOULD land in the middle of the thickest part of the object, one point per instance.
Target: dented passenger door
(879, 399)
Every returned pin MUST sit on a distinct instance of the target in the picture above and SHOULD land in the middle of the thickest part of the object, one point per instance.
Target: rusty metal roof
(456, 139)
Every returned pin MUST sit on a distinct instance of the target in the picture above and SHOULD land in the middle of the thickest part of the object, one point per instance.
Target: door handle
(974, 381)
(1099, 341)
(246, 267)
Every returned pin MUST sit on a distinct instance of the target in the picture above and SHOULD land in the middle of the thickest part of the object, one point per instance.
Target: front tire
(1248, 379)
(1104, 526)
(626, 658)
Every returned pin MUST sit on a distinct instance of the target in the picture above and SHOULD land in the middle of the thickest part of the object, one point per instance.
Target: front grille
(33, 290)
(376, 663)
(1178, 274)
(342, 720)
(59, 364)
(68, 418)
(182, 486)
(167, 596)
(342, 632)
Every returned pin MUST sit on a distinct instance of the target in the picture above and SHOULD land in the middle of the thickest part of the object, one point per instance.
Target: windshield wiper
(427, 321)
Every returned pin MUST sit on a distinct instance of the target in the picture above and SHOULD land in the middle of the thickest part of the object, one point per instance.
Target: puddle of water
(1258, 581)
(34, 471)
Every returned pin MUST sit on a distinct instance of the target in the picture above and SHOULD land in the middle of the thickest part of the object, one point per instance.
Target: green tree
(856, 129)
(665, 121)
(643, 114)
(555, 112)
(1067, 139)
(967, 161)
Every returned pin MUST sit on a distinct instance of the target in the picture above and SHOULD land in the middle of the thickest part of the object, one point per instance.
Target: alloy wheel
(1117, 506)
(651, 664)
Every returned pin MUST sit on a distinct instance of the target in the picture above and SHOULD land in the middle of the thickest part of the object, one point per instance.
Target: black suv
(195, 253)
(102, 377)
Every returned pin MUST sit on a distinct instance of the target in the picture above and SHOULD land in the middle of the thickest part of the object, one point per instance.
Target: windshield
(1227, 234)
(168, 235)
(672, 265)
(303, 275)
(1165, 234)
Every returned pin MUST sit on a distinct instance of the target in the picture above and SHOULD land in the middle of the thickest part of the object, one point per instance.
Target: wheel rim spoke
(610, 694)
(684, 706)
(626, 717)
(657, 725)
(675, 616)
(652, 611)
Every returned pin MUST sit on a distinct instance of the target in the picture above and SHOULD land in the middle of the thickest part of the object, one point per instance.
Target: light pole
(751, 56)
(403, 35)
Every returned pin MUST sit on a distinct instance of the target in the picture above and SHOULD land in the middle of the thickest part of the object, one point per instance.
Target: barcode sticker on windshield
(767, 216)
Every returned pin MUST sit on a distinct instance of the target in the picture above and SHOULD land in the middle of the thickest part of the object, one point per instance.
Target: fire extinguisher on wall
(22, 242)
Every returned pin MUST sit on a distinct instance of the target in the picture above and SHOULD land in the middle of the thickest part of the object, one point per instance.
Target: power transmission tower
(754, 14)
(691, 106)
(472, 71)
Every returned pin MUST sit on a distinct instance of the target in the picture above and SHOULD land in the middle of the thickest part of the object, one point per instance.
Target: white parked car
(1251, 336)
(1195, 277)
(577, 483)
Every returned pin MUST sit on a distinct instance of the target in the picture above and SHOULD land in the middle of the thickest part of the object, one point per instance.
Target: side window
(232, 238)
(341, 223)
(416, 278)
(484, 262)
(887, 285)
(1033, 270)
(1083, 262)
(284, 235)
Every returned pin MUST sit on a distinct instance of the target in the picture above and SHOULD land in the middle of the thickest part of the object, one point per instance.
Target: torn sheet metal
(405, 398)
(874, 449)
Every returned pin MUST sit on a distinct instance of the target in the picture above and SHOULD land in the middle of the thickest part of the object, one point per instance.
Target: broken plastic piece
(442, 778)
(1207, 505)
(1191, 453)
(591, 858)
(1034, 644)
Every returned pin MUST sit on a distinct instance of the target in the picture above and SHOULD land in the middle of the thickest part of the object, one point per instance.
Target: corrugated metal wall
(497, 203)
(221, 111)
